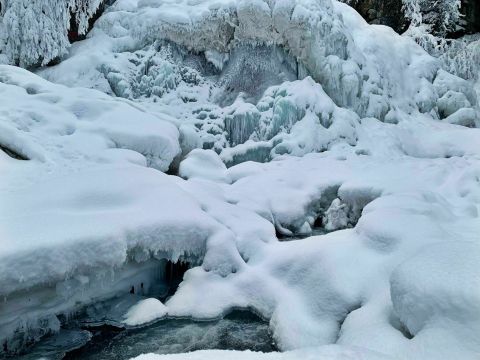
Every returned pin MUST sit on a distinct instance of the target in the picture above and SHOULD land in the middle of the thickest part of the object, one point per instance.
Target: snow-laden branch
(36, 32)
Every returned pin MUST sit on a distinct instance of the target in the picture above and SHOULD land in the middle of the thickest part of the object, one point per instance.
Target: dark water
(315, 232)
(97, 331)
(241, 330)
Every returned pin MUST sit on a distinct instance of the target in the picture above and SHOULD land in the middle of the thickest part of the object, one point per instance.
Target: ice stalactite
(293, 118)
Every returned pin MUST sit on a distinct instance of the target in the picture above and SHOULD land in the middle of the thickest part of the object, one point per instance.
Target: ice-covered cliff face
(355, 131)
(215, 59)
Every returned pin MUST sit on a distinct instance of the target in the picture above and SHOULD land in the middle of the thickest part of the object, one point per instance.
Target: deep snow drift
(354, 129)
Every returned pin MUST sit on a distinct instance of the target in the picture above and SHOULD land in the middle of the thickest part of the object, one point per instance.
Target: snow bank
(85, 203)
(438, 285)
(40, 118)
(327, 353)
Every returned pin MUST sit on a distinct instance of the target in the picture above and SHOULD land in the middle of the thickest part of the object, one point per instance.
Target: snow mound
(204, 164)
(438, 286)
(144, 312)
(53, 124)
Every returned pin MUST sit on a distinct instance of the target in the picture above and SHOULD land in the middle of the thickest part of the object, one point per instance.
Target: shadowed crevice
(12, 153)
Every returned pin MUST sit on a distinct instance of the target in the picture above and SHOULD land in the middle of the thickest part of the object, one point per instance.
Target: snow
(316, 287)
(86, 200)
(436, 292)
(327, 353)
(279, 117)
(242, 80)
(336, 216)
(52, 123)
(205, 164)
(464, 117)
(144, 312)
(439, 283)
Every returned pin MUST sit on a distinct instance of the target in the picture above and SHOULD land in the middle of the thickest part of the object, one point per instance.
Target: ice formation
(212, 128)
(210, 63)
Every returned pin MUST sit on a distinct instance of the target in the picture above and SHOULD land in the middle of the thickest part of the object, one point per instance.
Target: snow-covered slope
(355, 130)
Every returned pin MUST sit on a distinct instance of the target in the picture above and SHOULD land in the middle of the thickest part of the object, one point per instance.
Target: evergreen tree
(36, 32)
(439, 16)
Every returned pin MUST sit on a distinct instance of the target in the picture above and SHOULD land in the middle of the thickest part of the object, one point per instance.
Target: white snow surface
(87, 180)
(204, 164)
(354, 128)
(145, 311)
(331, 352)
(335, 288)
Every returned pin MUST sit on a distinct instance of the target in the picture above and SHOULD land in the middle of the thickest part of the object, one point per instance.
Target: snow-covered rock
(438, 287)
(144, 312)
(204, 164)
(55, 124)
